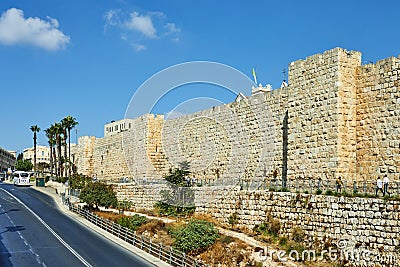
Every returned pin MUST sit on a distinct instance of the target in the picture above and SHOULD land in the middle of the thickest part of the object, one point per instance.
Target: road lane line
(51, 231)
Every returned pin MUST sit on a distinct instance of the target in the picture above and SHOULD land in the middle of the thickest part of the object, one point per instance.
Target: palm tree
(50, 133)
(69, 123)
(35, 129)
(64, 144)
(58, 132)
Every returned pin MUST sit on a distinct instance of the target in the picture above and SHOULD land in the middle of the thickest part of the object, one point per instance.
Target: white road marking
(51, 231)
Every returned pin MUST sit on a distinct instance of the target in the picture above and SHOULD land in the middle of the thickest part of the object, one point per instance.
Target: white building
(42, 154)
(7, 160)
(115, 127)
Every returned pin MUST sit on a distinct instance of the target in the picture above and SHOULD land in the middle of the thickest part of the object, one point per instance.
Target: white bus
(22, 178)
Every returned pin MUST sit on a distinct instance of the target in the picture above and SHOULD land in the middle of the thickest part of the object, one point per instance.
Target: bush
(195, 236)
(79, 181)
(318, 192)
(125, 205)
(98, 194)
(171, 210)
(132, 222)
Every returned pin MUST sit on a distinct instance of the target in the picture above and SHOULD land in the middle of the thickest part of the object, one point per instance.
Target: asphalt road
(36, 233)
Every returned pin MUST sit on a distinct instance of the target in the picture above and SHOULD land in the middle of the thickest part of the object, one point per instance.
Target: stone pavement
(53, 192)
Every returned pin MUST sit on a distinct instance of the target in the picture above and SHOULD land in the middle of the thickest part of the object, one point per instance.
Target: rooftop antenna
(284, 74)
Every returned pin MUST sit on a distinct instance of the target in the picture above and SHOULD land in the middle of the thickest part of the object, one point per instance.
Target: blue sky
(87, 58)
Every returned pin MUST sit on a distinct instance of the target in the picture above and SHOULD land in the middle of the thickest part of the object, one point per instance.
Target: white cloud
(15, 29)
(124, 37)
(138, 29)
(112, 17)
(142, 24)
(171, 28)
(139, 47)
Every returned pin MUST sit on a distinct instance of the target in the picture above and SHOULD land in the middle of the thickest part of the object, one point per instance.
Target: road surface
(33, 232)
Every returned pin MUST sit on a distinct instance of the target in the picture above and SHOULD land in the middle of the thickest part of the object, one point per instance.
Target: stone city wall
(335, 118)
(378, 119)
(358, 223)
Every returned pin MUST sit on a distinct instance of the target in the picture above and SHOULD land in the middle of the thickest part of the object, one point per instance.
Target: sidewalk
(50, 191)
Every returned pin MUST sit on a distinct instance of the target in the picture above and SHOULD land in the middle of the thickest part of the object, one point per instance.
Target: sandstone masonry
(336, 117)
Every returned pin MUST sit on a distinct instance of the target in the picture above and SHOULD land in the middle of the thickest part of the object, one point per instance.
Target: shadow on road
(11, 210)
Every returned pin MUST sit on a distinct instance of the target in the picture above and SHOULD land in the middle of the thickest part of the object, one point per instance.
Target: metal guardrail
(75, 192)
(163, 252)
(312, 185)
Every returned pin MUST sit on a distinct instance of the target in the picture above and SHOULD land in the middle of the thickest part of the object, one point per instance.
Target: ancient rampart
(336, 117)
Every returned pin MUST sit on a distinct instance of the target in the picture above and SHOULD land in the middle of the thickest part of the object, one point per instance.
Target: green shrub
(79, 181)
(271, 227)
(283, 240)
(232, 219)
(195, 236)
(318, 192)
(298, 234)
(171, 210)
(125, 204)
(97, 194)
(132, 222)
(329, 192)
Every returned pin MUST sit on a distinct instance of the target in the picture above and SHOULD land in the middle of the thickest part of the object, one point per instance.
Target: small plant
(132, 222)
(225, 239)
(270, 227)
(318, 192)
(283, 240)
(298, 234)
(195, 236)
(329, 192)
(346, 194)
(232, 220)
(306, 192)
(124, 205)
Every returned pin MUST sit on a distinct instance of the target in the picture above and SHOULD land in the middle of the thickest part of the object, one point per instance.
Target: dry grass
(228, 251)
(109, 215)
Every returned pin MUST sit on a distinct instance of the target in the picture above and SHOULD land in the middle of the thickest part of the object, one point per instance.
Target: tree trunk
(51, 160)
(55, 160)
(34, 152)
(69, 152)
(65, 154)
(59, 144)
